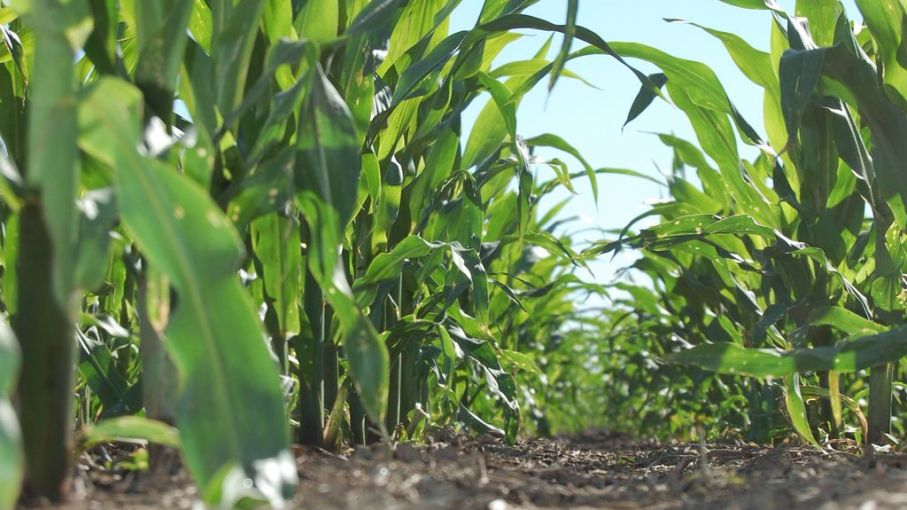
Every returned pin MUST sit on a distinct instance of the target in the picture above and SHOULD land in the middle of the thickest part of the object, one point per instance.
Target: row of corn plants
(229, 225)
(778, 281)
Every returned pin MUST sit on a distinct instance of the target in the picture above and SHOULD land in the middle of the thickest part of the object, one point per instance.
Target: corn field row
(229, 226)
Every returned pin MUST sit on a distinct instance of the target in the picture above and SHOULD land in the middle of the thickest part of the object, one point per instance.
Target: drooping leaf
(569, 33)
(645, 97)
(851, 356)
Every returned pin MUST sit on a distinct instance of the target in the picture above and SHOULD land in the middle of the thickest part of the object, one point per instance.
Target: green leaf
(276, 244)
(131, 428)
(98, 217)
(232, 48)
(750, 4)
(522, 21)
(11, 458)
(851, 356)
(387, 203)
(213, 336)
(796, 409)
(843, 320)
(556, 142)
(569, 34)
(101, 46)
(161, 35)
(389, 265)
(645, 97)
(375, 16)
(277, 18)
(887, 122)
(822, 15)
(318, 20)
(800, 72)
(885, 19)
(97, 367)
(414, 74)
(201, 25)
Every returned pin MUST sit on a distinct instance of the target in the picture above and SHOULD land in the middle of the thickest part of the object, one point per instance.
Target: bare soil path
(591, 472)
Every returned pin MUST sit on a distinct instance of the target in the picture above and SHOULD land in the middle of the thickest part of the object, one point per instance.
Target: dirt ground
(596, 471)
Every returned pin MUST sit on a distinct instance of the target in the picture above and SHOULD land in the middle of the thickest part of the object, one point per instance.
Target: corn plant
(789, 266)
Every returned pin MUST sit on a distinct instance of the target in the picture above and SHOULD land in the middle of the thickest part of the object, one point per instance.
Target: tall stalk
(880, 379)
(311, 378)
(46, 335)
(159, 375)
(46, 307)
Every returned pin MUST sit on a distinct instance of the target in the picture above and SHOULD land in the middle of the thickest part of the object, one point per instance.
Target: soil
(595, 471)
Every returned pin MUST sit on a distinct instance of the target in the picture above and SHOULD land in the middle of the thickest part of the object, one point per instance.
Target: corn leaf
(131, 428)
(11, 459)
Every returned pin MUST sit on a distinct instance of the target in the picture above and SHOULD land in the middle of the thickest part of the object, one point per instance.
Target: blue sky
(591, 119)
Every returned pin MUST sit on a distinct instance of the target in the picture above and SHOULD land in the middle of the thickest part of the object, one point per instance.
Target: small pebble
(498, 504)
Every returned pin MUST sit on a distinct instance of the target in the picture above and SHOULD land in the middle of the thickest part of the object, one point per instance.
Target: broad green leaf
(232, 46)
(757, 67)
(851, 356)
(387, 204)
(823, 15)
(101, 46)
(438, 167)
(266, 191)
(800, 72)
(885, 19)
(843, 320)
(131, 428)
(98, 215)
(277, 19)
(414, 74)
(201, 25)
(213, 336)
(796, 409)
(161, 35)
(97, 367)
(695, 89)
(887, 121)
(7, 15)
(418, 20)
(318, 20)
(374, 16)
(276, 244)
(11, 459)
